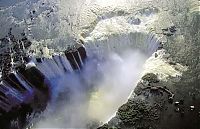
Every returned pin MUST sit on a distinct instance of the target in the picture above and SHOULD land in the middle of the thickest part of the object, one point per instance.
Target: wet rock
(76, 55)
(13, 52)
(34, 101)
(150, 77)
(39, 60)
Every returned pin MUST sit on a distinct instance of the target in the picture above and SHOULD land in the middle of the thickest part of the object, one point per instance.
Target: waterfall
(143, 41)
(123, 53)
(112, 69)
(49, 68)
(77, 65)
(11, 91)
(21, 79)
(103, 81)
(80, 58)
(66, 63)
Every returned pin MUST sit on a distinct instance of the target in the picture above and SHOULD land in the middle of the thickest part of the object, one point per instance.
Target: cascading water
(107, 78)
(86, 90)
(125, 55)
(61, 88)
(23, 82)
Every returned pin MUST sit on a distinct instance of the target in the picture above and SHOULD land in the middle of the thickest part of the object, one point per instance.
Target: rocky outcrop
(76, 55)
(24, 89)
(13, 52)
(151, 105)
(167, 97)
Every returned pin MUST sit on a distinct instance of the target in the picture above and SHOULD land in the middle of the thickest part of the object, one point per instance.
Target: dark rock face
(12, 52)
(13, 106)
(25, 91)
(33, 100)
(150, 77)
(16, 117)
(5, 60)
(76, 56)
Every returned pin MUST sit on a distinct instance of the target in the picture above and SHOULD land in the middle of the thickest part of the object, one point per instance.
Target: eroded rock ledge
(151, 108)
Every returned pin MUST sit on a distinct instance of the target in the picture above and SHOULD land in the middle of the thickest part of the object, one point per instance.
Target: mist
(94, 94)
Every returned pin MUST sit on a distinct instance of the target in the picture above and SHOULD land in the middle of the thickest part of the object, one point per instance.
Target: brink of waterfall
(99, 64)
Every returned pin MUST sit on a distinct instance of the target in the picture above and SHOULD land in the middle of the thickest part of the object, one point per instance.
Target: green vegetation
(137, 113)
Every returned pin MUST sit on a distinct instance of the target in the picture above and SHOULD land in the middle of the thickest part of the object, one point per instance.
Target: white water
(23, 82)
(66, 64)
(117, 51)
(94, 94)
(126, 55)
(12, 92)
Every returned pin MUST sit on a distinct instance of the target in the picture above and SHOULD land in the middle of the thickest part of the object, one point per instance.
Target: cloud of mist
(120, 75)
(95, 93)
